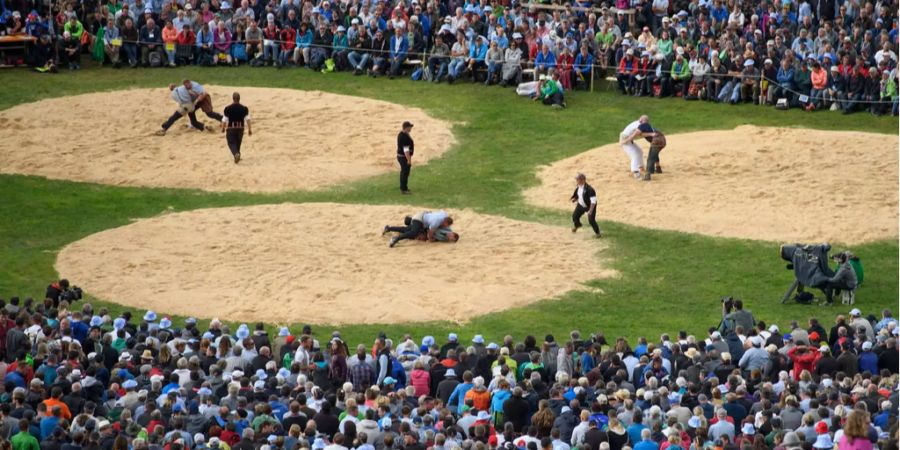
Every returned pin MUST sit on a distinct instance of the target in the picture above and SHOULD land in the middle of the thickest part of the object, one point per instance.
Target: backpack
(239, 52)
(804, 298)
(155, 59)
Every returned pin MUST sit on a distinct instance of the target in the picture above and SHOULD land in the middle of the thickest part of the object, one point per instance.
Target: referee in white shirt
(585, 199)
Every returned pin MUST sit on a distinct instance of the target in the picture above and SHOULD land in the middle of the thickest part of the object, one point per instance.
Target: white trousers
(636, 154)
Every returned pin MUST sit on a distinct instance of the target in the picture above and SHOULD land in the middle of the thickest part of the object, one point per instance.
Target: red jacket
(803, 361)
(633, 70)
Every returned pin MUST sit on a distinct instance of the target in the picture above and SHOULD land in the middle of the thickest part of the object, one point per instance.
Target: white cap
(867, 346)
(773, 328)
(855, 312)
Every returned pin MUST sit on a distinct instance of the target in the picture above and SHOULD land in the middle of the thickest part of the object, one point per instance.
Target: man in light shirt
(434, 224)
(190, 96)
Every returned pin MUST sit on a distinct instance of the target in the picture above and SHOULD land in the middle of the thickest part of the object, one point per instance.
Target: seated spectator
(339, 48)
(378, 53)
(459, 54)
(221, 44)
(287, 36)
(477, 55)
(819, 80)
(625, 74)
(511, 72)
(204, 50)
(749, 90)
(564, 68)
(112, 45)
(184, 45)
(271, 48)
(680, 75)
(151, 44)
(494, 60)
(130, 37)
(170, 41)
(399, 50)
(439, 59)
(253, 39)
(544, 61)
(70, 51)
(550, 92)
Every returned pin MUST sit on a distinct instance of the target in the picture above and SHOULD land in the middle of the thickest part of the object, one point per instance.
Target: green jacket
(549, 88)
(889, 90)
(25, 441)
(681, 72)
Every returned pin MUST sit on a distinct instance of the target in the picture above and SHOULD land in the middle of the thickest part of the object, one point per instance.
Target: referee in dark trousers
(585, 199)
(405, 150)
(236, 118)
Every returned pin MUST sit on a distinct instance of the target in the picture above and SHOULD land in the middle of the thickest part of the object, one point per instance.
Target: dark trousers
(234, 137)
(404, 173)
(555, 99)
(592, 217)
(177, 115)
(413, 230)
(653, 159)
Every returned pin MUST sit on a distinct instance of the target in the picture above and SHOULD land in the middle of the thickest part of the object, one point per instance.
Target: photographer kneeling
(60, 290)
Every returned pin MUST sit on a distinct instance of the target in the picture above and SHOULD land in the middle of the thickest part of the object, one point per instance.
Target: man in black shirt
(235, 119)
(405, 150)
(657, 143)
(585, 199)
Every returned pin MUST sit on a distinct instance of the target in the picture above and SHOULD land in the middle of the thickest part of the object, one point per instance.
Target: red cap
(814, 336)
(821, 428)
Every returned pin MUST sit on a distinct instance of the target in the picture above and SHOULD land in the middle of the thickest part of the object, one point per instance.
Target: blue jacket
(543, 62)
(404, 47)
(785, 78)
(458, 396)
(204, 37)
(583, 64)
(304, 40)
(498, 399)
(868, 361)
(478, 53)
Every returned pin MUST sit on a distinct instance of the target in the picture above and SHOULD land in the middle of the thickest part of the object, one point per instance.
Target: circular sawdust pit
(328, 263)
(775, 184)
(301, 140)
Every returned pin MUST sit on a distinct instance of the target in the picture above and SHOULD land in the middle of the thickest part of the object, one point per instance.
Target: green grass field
(669, 281)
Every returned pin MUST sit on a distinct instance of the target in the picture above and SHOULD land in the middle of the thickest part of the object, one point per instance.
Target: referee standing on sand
(236, 118)
(585, 199)
(405, 150)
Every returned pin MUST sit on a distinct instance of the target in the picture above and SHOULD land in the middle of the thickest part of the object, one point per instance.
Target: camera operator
(60, 290)
(736, 318)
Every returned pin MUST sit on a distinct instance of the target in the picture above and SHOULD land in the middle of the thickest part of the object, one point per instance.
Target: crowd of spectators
(815, 54)
(78, 378)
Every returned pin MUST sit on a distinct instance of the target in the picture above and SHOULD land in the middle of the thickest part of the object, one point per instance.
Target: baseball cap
(867, 346)
(407, 124)
(855, 312)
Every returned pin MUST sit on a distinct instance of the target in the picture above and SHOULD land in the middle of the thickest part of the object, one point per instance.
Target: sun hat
(149, 316)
